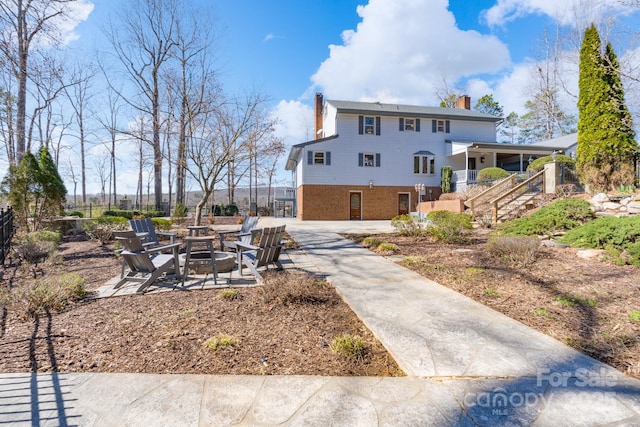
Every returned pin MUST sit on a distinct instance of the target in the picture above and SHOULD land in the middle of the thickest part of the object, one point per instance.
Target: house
(372, 160)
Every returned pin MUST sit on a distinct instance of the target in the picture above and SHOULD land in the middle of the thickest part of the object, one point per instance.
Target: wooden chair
(265, 253)
(145, 225)
(245, 235)
(146, 264)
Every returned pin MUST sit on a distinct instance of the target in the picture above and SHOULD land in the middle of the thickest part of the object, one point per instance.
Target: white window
(441, 126)
(369, 125)
(409, 124)
(318, 158)
(424, 165)
(369, 160)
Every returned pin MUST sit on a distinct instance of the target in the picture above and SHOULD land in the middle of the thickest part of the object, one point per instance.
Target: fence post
(2, 252)
(90, 211)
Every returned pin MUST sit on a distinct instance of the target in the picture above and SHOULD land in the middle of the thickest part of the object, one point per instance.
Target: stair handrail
(471, 202)
(495, 201)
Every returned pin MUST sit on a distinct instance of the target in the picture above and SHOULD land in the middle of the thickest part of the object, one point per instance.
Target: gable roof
(562, 142)
(297, 149)
(399, 110)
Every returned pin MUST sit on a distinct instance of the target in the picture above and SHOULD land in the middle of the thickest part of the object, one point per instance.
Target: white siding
(396, 150)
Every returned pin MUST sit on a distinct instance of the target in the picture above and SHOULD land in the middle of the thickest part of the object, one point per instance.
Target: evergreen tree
(53, 189)
(606, 140)
(486, 104)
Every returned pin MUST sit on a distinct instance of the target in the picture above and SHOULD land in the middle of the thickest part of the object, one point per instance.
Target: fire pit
(200, 262)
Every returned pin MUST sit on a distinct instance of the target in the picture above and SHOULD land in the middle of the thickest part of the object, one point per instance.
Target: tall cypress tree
(606, 145)
(54, 191)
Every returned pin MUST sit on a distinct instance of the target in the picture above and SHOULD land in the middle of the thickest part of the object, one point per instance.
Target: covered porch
(467, 158)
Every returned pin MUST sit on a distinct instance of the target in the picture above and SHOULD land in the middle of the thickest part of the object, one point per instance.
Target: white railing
(467, 176)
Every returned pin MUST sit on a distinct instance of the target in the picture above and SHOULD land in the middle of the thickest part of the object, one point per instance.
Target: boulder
(600, 197)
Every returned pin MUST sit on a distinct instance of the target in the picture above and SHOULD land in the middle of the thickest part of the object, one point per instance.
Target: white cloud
(295, 122)
(566, 12)
(402, 50)
(268, 37)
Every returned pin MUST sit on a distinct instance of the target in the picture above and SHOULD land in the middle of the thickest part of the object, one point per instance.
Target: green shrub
(620, 235)
(446, 173)
(408, 225)
(487, 175)
(448, 227)
(220, 341)
(154, 214)
(350, 346)
(74, 213)
(387, 248)
(230, 294)
(561, 215)
(33, 252)
(102, 228)
(518, 251)
(179, 213)
(538, 164)
(371, 242)
(49, 294)
(42, 236)
(161, 224)
(121, 213)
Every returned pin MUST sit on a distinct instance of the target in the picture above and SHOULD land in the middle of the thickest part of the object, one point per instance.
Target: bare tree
(144, 49)
(109, 120)
(27, 26)
(102, 168)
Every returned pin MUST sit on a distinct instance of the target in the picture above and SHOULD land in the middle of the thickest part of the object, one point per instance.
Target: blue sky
(400, 51)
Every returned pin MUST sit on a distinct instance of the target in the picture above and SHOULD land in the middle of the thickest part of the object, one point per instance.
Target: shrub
(179, 213)
(230, 294)
(121, 213)
(288, 288)
(371, 242)
(42, 236)
(518, 251)
(49, 294)
(446, 173)
(561, 215)
(448, 227)
(102, 228)
(350, 346)
(618, 235)
(161, 224)
(408, 225)
(538, 164)
(487, 175)
(74, 213)
(387, 248)
(220, 341)
(34, 252)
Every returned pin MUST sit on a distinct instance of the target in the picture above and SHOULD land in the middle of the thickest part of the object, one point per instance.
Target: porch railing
(467, 176)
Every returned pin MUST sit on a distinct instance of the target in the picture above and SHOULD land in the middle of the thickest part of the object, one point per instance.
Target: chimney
(464, 102)
(318, 131)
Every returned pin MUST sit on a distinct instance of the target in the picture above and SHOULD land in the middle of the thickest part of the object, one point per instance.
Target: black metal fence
(6, 232)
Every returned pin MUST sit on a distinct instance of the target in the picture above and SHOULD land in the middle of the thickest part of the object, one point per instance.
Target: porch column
(521, 160)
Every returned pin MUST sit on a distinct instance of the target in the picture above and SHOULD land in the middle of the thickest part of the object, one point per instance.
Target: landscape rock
(600, 198)
(611, 206)
(589, 253)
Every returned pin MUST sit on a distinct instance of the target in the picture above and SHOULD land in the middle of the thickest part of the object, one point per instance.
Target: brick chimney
(464, 102)
(318, 116)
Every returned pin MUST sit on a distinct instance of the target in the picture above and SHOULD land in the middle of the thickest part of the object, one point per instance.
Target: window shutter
(434, 126)
(417, 125)
(377, 125)
(401, 124)
(447, 126)
(377, 160)
(309, 157)
(327, 156)
(361, 159)
(360, 125)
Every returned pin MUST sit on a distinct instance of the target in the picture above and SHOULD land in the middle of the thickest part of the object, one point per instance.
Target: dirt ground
(168, 332)
(584, 303)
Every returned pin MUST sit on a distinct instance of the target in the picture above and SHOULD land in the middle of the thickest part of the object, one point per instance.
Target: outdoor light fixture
(370, 184)
(530, 159)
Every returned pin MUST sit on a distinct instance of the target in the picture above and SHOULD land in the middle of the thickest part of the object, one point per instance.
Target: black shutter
(377, 125)
(377, 160)
(401, 124)
(328, 158)
(360, 125)
(434, 126)
(309, 157)
(417, 125)
(360, 159)
(447, 126)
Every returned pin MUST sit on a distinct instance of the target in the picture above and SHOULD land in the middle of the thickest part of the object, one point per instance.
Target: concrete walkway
(466, 365)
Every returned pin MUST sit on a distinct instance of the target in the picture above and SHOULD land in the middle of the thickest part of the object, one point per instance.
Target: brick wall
(331, 202)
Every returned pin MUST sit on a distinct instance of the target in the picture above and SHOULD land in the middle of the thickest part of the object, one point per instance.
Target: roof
(400, 110)
(562, 142)
(297, 149)
(423, 153)
(499, 146)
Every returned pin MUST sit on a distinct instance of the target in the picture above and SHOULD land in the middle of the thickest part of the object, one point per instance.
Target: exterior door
(355, 203)
(472, 163)
(403, 204)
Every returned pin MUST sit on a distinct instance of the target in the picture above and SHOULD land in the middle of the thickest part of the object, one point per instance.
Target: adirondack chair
(246, 234)
(265, 253)
(145, 225)
(146, 264)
